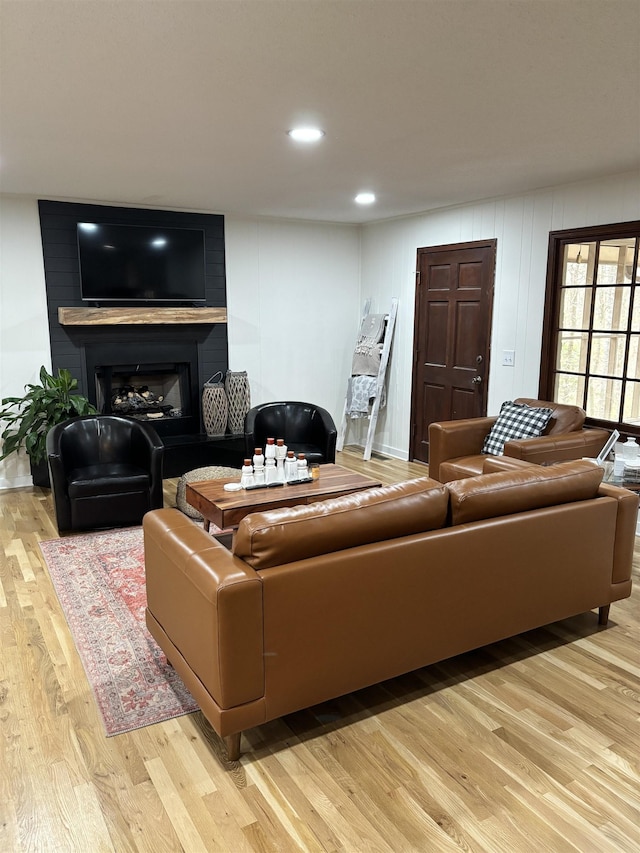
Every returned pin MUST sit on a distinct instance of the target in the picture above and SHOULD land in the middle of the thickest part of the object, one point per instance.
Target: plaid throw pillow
(516, 420)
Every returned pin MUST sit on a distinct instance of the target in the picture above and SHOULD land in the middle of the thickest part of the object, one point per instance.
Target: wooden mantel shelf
(140, 316)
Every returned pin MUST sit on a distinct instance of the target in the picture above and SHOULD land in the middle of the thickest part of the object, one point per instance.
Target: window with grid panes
(591, 344)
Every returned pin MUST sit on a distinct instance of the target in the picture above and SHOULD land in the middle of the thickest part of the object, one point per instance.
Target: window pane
(569, 389)
(607, 354)
(635, 314)
(631, 413)
(572, 351)
(612, 308)
(578, 263)
(615, 261)
(603, 399)
(575, 307)
(633, 365)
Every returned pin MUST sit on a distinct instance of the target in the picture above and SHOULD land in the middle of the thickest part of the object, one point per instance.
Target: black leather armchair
(306, 428)
(106, 471)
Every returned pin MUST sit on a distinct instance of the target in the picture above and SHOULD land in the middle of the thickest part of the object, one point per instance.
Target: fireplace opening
(153, 381)
(152, 392)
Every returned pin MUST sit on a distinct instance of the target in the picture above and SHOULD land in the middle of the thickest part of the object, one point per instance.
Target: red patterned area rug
(99, 580)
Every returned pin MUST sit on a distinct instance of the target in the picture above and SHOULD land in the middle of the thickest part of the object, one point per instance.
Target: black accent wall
(62, 277)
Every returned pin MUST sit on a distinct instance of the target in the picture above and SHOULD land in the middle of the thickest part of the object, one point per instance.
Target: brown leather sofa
(455, 446)
(313, 602)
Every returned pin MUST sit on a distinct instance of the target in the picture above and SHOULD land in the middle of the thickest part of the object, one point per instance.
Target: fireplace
(152, 382)
(143, 391)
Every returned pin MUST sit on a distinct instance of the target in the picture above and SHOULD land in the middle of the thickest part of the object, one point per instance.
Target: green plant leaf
(28, 419)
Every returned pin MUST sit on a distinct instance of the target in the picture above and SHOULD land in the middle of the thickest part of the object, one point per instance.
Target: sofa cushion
(521, 489)
(278, 536)
(516, 420)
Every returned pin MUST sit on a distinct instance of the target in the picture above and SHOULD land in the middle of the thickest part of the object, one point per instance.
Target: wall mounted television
(133, 264)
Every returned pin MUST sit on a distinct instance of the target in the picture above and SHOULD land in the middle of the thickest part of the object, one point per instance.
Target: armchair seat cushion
(107, 478)
(312, 452)
(463, 466)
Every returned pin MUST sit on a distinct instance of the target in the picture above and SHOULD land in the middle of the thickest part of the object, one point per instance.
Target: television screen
(140, 263)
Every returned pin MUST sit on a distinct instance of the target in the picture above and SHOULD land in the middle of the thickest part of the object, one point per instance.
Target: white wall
(24, 332)
(521, 225)
(293, 304)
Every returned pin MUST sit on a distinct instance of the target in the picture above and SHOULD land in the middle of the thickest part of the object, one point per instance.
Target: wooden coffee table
(227, 509)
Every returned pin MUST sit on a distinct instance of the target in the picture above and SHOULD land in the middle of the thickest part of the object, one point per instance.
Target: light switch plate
(508, 357)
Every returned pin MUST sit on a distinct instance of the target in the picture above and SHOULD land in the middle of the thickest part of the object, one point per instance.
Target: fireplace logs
(128, 400)
(155, 382)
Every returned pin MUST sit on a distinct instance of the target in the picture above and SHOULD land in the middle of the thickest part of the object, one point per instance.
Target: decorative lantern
(215, 408)
(238, 398)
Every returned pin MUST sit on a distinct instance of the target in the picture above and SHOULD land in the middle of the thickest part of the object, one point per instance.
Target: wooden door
(452, 332)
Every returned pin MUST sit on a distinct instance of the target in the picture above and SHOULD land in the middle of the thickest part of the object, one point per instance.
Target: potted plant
(28, 419)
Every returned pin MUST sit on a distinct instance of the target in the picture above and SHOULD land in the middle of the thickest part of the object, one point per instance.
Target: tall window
(591, 343)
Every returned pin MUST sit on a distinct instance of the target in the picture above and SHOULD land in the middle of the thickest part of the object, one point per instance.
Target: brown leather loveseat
(313, 602)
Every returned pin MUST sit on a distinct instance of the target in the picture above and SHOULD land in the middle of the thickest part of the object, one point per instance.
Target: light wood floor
(527, 745)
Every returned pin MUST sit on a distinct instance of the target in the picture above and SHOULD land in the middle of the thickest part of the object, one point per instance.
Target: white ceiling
(186, 103)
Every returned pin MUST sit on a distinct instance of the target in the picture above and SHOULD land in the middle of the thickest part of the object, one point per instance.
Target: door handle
(477, 380)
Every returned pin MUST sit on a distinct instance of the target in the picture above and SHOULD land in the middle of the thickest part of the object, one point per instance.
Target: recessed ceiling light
(306, 134)
(365, 198)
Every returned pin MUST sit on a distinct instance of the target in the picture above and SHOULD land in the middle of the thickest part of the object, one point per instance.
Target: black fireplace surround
(172, 361)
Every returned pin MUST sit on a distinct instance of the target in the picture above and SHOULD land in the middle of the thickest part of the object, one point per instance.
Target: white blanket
(361, 392)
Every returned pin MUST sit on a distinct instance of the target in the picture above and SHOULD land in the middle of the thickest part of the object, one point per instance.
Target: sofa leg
(232, 743)
(603, 614)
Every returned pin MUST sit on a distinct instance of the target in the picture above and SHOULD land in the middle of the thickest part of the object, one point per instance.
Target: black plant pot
(40, 474)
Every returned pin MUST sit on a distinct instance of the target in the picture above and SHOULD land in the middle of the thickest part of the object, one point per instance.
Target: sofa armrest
(558, 448)
(208, 603)
(452, 439)
(625, 530)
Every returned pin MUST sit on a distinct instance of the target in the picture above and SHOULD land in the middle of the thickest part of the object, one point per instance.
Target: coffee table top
(227, 509)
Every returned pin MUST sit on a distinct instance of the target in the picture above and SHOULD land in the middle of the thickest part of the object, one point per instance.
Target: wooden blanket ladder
(390, 321)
